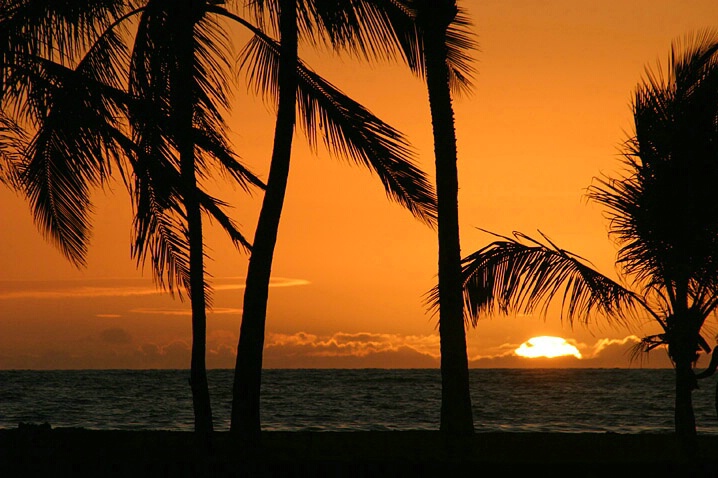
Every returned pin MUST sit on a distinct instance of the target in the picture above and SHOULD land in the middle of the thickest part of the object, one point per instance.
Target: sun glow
(546, 346)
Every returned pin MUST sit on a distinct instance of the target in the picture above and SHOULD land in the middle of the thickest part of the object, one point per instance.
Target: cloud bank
(103, 288)
(119, 348)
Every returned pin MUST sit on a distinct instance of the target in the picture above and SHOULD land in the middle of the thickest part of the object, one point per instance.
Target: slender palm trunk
(456, 415)
(682, 349)
(684, 338)
(184, 104)
(685, 421)
(248, 370)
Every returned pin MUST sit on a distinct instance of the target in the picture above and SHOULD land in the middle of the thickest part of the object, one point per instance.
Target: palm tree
(439, 51)
(179, 63)
(173, 128)
(662, 213)
(348, 129)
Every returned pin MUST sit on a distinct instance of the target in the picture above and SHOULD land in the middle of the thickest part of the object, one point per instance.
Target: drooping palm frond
(75, 143)
(362, 27)
(523, 274)
(159, 229)
(347, 128)
(460, 39)
(215, 145)
(151, 81)
(58, 30)
(13, 142)
(158, 196)
(155, 84)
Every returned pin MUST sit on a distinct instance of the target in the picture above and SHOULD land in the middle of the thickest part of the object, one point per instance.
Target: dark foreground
(38, 451)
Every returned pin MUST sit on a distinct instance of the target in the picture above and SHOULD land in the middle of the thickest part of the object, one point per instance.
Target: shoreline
(40, 450)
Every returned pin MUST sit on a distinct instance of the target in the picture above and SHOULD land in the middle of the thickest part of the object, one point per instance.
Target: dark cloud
(116, 336)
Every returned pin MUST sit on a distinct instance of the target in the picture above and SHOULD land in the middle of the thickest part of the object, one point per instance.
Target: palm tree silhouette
(662, 213)
(348, 130)
(439, 51)
(177, 62)
(173, 127)
(157, 110)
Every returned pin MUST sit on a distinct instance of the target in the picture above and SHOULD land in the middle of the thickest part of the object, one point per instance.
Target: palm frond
(347, 129)
(638, 352)
(662, 212)
(214, 145)
(71, 151)
(366, 28)
(59, 30)
(13, 142)
(214, 208)
(523, 274)
(160, 234)
(460, 40)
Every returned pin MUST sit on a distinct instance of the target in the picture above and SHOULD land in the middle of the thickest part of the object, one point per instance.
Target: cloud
(117, 348)
(160, 311)
(79, 292)
(49, 290)
(356, 344)
(604, 353)
(108, 316)
(185, 312)
(274, 282)
(115, 336)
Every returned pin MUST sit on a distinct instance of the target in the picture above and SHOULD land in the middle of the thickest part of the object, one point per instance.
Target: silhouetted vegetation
(347, 129)
(142, 86)
(663, 215)
(441, 56)
(92, 96)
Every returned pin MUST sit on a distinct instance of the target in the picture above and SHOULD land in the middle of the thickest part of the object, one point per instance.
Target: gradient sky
(549, 112)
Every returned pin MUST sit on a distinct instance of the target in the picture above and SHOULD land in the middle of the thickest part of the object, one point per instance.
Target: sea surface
(511, 400)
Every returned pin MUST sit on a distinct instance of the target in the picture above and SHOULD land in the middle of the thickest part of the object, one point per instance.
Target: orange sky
(550, 109)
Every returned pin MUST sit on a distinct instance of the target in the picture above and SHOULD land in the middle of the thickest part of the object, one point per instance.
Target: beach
(46, 451)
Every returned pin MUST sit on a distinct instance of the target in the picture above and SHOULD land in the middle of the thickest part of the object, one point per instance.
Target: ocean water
(512, 400)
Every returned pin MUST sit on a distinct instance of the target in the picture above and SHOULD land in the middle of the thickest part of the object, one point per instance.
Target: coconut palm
(662, 214)
(348, 130)
(438, 50)
(172, 129)
(180, 64)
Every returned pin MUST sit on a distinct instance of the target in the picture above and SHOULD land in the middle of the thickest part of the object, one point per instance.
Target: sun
(546, 346)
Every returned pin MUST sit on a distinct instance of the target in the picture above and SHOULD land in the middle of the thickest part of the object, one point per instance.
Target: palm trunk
(198, 368)
(682, 349)
(685, 421)
(456, 415)
(684, 333)
(248, 369)
(184, 106)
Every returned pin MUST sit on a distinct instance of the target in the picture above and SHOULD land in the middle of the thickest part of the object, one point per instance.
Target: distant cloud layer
(114, 288)
(116, 347)
(186, 311)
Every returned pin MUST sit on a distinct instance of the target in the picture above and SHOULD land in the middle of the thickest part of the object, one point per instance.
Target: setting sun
(546, 346)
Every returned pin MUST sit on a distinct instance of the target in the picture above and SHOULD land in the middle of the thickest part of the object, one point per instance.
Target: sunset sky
(549, 112)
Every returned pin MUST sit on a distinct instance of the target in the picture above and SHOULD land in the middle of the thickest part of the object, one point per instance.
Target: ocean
(511, 400)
